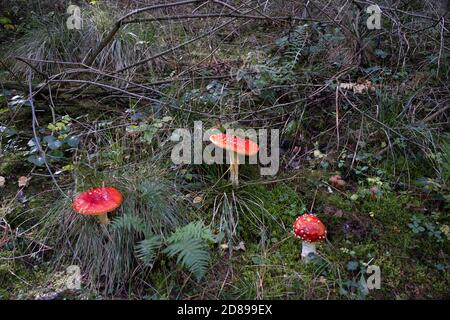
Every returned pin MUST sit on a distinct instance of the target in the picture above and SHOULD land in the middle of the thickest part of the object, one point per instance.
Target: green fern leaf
(146, 249)
(190, 245)
(194, 230)
(129, 223)
(192, 254)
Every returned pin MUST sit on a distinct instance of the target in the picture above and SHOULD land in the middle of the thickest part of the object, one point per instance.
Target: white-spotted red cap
(309, 228)
(235, 144)
(97, 201)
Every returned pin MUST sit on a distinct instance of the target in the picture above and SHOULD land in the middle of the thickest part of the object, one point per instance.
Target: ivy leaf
(37, 160)
(56, 155)
(73, 141)
(52, 142)
(352, 265)
(9, 132)
(34, 142)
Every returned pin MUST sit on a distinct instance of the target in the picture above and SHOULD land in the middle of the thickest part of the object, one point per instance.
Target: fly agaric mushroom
(235, 146)
(311, 230)
(98, 202)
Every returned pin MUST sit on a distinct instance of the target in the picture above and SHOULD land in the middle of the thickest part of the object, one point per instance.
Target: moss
(16, 278)
(10, 162)
(386, 241)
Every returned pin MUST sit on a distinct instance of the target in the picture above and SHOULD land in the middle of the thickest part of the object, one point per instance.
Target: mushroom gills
(307, 249)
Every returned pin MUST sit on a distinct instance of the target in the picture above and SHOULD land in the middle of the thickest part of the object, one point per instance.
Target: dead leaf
(337, 182)
(23, 181)
(322, 280)
(317, 154)
(2, 181)
(415, 208)
(239, 247)
(197, 199)
(360, 87)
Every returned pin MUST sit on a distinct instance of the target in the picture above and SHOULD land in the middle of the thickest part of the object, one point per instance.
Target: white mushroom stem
(234, 169)
(307, 248)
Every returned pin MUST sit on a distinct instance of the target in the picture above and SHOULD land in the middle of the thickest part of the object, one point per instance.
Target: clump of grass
(107, 255)
(49, 39)
(235, 214)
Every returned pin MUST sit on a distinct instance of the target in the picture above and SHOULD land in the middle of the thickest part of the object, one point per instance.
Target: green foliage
(129, 223)
(146, 250)
(194, 230)
(54, 145)
(390, 213)
(295, 43)
(281, 201)
(190, 245)
(446, 158)
(421, 224)
(148, 130)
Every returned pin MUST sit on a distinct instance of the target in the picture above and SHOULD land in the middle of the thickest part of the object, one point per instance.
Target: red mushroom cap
(309, 228)
(235, 144)
(97, 201)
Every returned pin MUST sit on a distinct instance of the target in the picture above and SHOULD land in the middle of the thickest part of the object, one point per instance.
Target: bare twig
(36, 139)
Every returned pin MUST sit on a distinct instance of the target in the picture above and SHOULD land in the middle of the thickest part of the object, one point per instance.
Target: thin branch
(90, 60)
(36, 139)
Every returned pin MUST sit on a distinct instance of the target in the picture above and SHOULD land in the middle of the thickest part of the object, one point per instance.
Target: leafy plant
(296, 45)
(146, 250)
(129, 223)
(446, 158)
(190, 245)
(421, 224)
(148, 130)
(54, 145)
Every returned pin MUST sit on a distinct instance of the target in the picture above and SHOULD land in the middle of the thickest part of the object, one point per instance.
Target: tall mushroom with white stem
(311, 230)
(235, 146)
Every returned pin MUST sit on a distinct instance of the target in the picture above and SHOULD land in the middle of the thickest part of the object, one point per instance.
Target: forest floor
(183, 231)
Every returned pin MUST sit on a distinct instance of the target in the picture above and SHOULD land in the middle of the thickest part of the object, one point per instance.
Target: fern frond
(194, 230)
(190, 245)
(146, 250)
(192, 254)
(296, 45)
(129, 223)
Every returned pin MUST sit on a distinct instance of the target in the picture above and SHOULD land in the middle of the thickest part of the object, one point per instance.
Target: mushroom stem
(307, 248)
(234, 169)
(103, 218)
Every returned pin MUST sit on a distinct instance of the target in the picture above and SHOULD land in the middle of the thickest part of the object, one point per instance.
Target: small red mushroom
(374, 192)
(311, 230)
(98, 202)
(235, 145)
